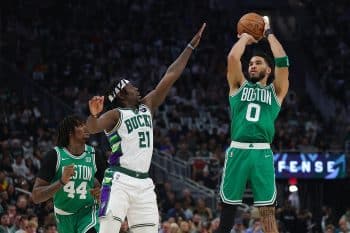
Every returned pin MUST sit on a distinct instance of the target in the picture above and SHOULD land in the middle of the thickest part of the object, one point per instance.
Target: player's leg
(268, 220)
(228, 213)
(87, 220)
(233, 184)
(264, 188)
(143, 215)
(114, 204)
(109, 224)
(65, 223)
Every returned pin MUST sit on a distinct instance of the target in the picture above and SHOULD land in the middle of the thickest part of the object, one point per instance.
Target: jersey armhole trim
(148, 109)
(93, 153)
(58, 158)
(116, 127)
(239, 89)
(274, 94)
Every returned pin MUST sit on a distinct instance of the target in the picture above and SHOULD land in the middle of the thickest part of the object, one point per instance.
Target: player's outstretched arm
(106, 121)
(235, 76)
(281, 82)
(157, 96)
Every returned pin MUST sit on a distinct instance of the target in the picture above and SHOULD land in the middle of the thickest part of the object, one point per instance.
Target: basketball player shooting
(127, 189)
(254, 105)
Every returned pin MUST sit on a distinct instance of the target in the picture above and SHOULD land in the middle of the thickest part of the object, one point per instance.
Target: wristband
(190, 46)
(282, 61)
(268, 32)
(94, 116)
(61, 182)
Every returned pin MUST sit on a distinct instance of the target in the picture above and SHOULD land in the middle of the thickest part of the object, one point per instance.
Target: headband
(120, 85)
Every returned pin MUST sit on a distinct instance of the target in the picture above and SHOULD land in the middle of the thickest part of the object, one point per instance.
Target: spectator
(256, 227)
(32, 227)
(343, 226)
(50, 229)
(202, 210)
(23, 224)
(238, 226)
(5, 223)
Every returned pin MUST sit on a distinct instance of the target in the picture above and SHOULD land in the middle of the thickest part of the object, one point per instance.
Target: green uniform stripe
(114, 137)
(118, 219)
(93, 220)
(143, 225)
(116, 147)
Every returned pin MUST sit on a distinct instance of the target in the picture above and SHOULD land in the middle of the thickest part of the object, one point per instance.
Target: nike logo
(266, 156)
(64, 159)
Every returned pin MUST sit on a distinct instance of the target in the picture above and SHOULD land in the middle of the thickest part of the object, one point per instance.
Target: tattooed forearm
(267, 215)
(43, 193)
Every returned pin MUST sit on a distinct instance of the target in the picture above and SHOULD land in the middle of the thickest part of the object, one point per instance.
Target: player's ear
(269, 70)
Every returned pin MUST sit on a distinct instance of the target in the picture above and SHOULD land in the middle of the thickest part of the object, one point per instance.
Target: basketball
(253, 24)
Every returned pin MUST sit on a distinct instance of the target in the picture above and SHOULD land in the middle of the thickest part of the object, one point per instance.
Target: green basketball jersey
(253, 109)
(76, 193)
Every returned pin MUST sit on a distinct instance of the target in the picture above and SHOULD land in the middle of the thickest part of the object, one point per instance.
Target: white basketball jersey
(132, 138)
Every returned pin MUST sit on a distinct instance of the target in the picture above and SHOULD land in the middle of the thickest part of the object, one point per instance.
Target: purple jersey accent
(114, 158)
(105, 192)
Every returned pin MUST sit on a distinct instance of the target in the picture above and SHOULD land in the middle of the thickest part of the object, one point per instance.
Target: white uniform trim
(93, 220)
(252, 146)
(116, 127)
(239, 89)
(61, 212)
(275, 95)
(58, 158)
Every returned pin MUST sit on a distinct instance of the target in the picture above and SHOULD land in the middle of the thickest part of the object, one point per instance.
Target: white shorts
(134, 198)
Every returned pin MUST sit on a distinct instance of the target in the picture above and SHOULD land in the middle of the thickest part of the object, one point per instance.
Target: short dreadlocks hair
(66, 127)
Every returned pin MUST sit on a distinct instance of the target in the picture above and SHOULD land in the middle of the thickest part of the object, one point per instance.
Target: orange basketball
(253, 24)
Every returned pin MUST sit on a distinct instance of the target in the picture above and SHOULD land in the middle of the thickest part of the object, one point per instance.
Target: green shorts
(80, 222)
(253, 165)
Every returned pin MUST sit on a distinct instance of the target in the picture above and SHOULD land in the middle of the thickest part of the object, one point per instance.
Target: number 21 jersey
(131, 139)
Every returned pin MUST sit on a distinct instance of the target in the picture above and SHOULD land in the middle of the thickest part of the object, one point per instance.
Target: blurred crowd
(76, 54)
(326, 42)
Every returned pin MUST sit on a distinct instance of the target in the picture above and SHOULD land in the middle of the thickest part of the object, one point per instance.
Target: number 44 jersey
(253, 109)
(76, 193)
(131, 139)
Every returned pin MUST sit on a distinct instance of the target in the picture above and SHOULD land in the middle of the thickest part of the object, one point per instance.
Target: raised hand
(267, 28)
(68, 172)
(250, 38)
(96, 105)
(196, 39)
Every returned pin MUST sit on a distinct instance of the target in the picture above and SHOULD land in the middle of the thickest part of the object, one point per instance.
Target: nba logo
(88, 160)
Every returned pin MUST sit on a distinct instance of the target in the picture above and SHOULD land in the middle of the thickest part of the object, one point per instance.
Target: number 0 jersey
(254, 109)
(131, 139)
